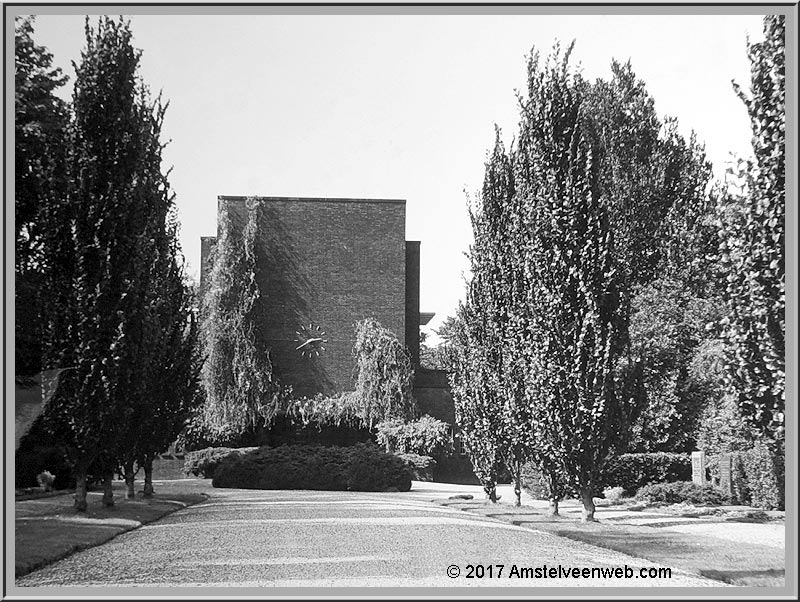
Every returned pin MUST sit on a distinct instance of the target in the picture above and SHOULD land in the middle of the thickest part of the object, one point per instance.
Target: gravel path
(311, 539)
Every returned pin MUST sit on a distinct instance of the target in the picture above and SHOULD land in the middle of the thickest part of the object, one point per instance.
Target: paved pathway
(311, 539)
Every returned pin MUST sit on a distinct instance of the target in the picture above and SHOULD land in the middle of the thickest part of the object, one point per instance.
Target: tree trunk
(518, 489)
(148, 478)
(554, 491)
(491, 492)
(130, 477)
(108, 492)
(80, 488)
(588, 506)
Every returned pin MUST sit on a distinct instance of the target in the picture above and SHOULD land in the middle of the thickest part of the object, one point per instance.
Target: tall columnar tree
(474, 387)
(487, 384)
(385, 377)
(240, 391)
(109, 235)
(40, 151)
(602, 199)
(574, 295)
(165, 393)
(752, 249)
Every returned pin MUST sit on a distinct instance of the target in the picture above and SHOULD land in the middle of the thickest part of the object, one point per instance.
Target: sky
(396, 106)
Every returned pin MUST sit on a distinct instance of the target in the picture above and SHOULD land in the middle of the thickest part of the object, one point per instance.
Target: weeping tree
(384, 376)
(752, 251)
(240, 390)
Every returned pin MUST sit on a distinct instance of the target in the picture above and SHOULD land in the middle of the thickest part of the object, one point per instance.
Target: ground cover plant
(361, 467)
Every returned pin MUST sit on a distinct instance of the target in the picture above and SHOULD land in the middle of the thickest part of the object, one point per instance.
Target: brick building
(328, 263)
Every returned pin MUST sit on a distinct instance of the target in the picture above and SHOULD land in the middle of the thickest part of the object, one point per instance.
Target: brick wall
(330, 262)
(412, 300)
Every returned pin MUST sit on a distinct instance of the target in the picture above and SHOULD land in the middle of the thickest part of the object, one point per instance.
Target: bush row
(203, 462)
(631, 472)
(683, 491)
(634, 471)
(361, 467)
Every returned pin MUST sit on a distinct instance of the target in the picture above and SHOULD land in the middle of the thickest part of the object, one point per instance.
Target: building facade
(323, 265)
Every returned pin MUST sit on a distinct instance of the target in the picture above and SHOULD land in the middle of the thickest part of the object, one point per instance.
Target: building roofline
(308, 199)
(425, 317)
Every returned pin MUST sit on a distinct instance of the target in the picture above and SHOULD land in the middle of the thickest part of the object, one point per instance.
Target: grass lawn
(47, 528)
(728, 551)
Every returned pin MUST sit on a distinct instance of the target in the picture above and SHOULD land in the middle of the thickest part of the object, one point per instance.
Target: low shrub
(361, 467)
(46, 480)
(614, 494)
(425, 436)
(682, 491)
(634, 471)
(203, 462)
(421, 467)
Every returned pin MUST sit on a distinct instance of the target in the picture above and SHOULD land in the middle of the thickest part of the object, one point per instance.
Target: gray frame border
(791, 253)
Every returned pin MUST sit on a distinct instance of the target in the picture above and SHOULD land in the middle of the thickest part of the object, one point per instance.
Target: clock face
(310, 341)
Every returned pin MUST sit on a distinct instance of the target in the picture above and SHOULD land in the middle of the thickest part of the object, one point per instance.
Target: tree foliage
(752, 222)
(115, 311)
(425, 436)
(240, 391)
(669, 341)
(596, 200)
(40, 129)
(487, 403)
(575, 293)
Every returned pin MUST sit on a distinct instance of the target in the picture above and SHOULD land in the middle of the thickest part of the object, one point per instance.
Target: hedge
(629, 471)
(683, 491)
(361, 467)
(203, 462)
(634, 471)
(755, 476)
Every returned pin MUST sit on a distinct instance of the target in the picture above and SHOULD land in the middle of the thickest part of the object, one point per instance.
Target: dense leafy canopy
(40, 153)
(597, 199)
(117, 311)
(752, 246)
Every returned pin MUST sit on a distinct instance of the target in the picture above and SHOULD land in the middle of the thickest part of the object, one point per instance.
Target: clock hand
(308, 342)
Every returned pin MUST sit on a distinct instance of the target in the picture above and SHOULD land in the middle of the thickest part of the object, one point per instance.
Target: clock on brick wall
(310, 340)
